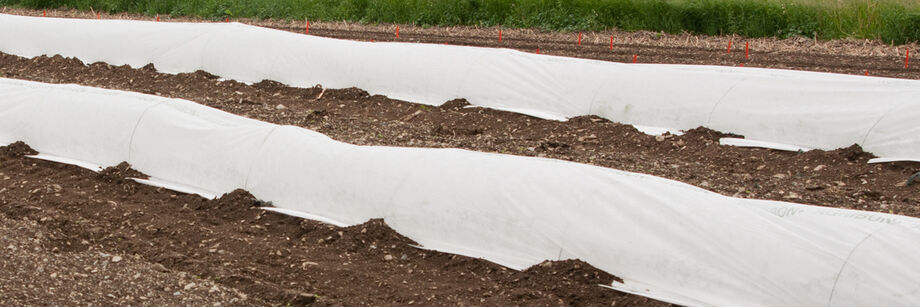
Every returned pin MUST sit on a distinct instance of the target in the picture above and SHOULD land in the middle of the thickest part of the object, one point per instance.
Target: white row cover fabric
(804, 109)
(666, 239)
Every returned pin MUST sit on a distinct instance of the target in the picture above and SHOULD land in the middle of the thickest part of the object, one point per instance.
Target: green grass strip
(894, 21)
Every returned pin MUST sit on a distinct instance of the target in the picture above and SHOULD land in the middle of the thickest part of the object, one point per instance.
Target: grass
(895, 21)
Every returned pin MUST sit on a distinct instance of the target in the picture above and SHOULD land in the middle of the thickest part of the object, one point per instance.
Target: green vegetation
(895, 21)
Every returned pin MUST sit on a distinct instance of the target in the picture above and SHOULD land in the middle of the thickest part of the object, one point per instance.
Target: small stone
(301, 298)
(819, 167)
(779, 176)
(791, 195)
(405, 118)
(388, 257)
(159, 267)
(404, 257)
(588, 139)
(116, 258)
(659, 138)
(704, 184)
(761, 167)
(280, 107)
(189, 286)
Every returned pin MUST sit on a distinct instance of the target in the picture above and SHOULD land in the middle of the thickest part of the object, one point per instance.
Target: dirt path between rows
(799, 53)
(73, 237)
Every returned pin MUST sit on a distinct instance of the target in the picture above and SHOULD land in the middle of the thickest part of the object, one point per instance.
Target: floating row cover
(665, 239)
(804, 109)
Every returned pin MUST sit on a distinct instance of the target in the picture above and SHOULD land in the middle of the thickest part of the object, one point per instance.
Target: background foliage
(896, 21)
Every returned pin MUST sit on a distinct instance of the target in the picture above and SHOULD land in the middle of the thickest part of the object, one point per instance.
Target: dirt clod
(18, 149)
(121, 172)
